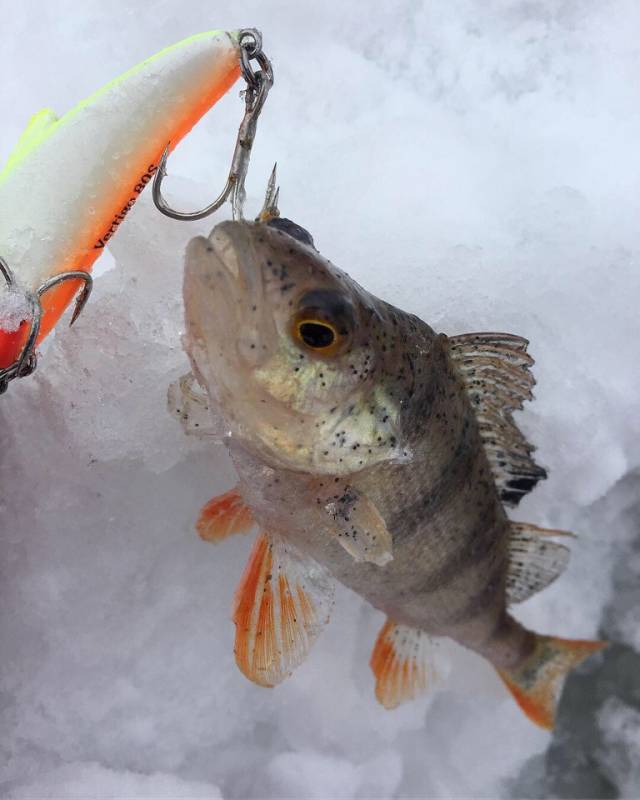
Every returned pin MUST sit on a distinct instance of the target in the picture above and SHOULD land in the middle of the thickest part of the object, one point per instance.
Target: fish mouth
(225, 308)
(222, 268)
(229, 241)
(232, 245)
(231, 328)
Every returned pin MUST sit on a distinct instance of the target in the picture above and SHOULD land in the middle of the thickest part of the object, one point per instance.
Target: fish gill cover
(474, 164)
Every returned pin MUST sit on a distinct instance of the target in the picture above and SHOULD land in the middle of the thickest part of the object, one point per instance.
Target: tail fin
(537, 684)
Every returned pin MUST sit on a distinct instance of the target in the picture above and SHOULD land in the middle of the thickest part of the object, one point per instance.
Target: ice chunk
(14, 307)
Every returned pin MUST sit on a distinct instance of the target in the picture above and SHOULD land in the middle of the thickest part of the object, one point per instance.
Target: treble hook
(259, 82)
(28, 359)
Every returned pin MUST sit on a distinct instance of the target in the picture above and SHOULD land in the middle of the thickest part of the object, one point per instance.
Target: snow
(476, 164)
(621, 727)
(73, 783)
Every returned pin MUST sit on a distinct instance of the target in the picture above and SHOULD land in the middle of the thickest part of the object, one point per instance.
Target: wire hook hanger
(259, 82)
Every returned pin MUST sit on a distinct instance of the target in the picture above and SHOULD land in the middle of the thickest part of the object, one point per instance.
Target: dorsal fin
(535, 560)
(402, 663)
(36, 130)
(282, 603)
(495, 370)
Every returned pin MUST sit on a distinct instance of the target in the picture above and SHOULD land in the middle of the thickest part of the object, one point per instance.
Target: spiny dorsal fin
(495, 370)
(282, 603)
(490, 339)
(402, 664)
(535, 560)
(223, 516)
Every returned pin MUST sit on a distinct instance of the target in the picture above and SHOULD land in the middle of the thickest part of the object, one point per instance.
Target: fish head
(288, 348)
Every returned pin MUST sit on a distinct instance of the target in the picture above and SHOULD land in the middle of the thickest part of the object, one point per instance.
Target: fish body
(450, 532)
(70, 181)
(376, 451)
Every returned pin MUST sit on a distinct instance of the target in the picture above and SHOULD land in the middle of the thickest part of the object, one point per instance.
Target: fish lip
(235, 245)
(225, 243)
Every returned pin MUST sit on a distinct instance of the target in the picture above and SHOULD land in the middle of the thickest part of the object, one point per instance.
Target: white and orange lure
(70, 181)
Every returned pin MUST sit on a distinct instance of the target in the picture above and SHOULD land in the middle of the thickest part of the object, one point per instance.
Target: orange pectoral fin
(224, 516)
(281, 605)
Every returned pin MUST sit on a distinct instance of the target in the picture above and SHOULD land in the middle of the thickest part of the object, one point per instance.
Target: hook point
(272, 195)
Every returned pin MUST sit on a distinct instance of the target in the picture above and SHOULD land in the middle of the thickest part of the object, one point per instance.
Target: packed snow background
(476, 163)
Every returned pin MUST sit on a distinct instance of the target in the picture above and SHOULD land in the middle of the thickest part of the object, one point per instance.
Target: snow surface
(476, 163)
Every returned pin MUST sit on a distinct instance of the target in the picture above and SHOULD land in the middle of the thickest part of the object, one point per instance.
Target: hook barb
(27, 361)
(81, 299)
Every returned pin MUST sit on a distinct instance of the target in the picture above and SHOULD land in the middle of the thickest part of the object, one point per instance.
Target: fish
(70, 181)
(372, 451)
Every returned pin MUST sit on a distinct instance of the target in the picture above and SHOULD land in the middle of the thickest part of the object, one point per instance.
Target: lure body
(70, 182)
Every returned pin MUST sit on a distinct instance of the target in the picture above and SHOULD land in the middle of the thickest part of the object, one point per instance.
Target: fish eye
(316, 334)
(324, 322)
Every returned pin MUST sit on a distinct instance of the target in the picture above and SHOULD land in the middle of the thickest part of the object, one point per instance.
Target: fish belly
(450, 546)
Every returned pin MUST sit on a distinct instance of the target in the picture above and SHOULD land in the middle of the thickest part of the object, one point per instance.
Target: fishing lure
(372, 450)
(70, 181)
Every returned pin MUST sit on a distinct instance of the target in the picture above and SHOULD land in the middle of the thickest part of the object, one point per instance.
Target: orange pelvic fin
(402, 665)
(282, 603)
(224, 516)
(537, 684)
